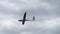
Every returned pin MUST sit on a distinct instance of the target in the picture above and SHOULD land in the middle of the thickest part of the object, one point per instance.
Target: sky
(46, 12)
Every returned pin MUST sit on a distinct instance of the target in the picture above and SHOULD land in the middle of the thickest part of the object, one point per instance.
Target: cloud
(8, 5)
(46, 13)
(26, 33)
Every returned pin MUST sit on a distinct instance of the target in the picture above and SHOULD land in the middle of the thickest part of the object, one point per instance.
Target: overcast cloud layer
(46, 12)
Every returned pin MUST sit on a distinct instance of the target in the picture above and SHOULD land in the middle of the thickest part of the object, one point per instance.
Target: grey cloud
(40, 12)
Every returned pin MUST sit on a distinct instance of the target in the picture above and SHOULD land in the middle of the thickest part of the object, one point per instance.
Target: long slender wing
(23, 22)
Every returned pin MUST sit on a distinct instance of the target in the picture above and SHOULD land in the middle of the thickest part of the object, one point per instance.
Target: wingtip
(22, 24)
(33, 18)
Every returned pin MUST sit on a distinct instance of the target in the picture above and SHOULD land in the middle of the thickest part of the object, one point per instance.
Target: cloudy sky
(46, 12)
